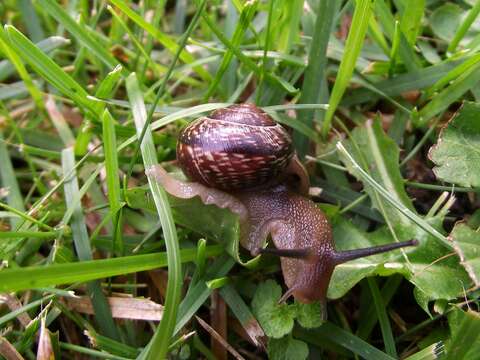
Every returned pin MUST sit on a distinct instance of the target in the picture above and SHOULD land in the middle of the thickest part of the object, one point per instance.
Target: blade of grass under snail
(312, 89)
(354, 43)
(82, 245)
(387, 196)
(385, 327)
(161, 338)
(113, 181)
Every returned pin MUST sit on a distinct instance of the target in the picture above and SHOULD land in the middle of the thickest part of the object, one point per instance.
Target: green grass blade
(35, 277)
(242, 313)
(382, 318)
(170, 44)
(22, 72)
(367, 318)
(48, 69)
(452, 75)
(82, 246)
(31, 20)
(79, 32)
(411, 20)
(463, 83)
(8, 180)
(312, 89)
(105, 89)
(251, 65)
(46, 46)
(346, 340)
(58, 120)
(245, 18)
(163, 85)
(464, 26)
(353, 46)
(432, 352)
(161, 338)
(406, 51)
(113, 180)
(25, 216)
(200, 292)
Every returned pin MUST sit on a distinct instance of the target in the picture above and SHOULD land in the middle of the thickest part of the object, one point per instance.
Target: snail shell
(237, 147)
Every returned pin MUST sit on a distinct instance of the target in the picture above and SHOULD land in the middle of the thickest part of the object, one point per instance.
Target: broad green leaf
(456, 153)
(465, 340)
(445, 20)
(276, 319)
(287, 348)
(466, 243)
(309, 315)
(435, 275)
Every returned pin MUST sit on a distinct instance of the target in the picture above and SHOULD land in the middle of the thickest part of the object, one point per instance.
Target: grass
(94, 93)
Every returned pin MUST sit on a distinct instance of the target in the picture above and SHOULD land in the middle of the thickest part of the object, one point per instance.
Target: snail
(240, 159)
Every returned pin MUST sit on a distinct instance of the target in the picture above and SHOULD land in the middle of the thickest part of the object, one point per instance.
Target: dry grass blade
(14, 304)
(121, 307)
(8, 351)
(221, 340)
(45, 347)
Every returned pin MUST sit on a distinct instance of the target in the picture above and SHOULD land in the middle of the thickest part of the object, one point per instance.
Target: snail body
(240, 159)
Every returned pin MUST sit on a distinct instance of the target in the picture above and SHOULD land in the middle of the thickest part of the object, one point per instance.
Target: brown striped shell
(234, 148)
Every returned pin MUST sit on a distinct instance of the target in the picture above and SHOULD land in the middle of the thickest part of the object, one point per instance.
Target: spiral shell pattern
(234, 148)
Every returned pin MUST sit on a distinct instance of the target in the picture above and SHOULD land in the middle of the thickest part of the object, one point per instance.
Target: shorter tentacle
(188, 190)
